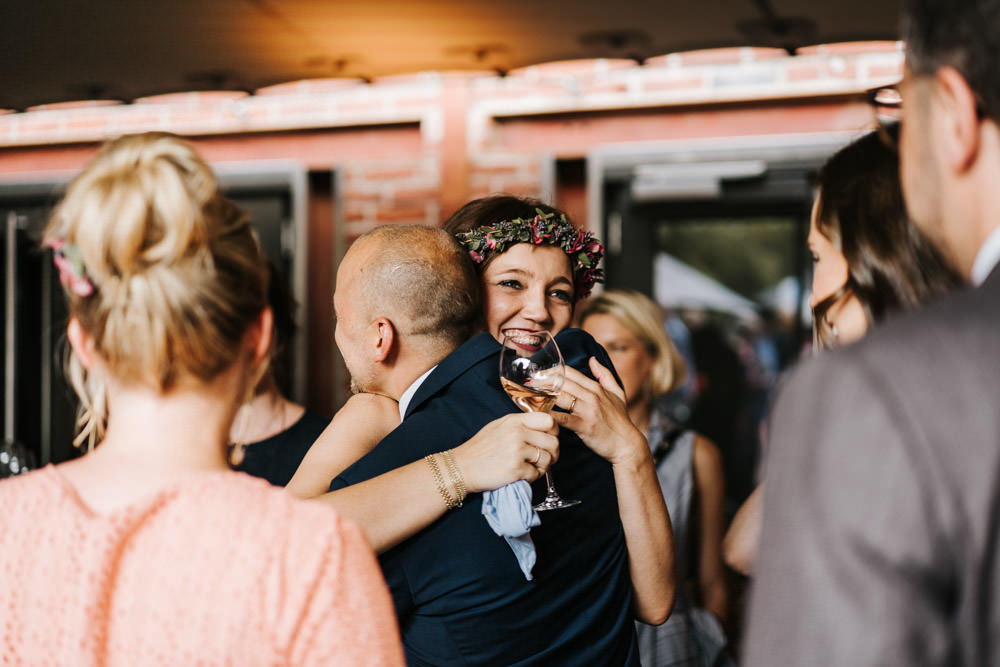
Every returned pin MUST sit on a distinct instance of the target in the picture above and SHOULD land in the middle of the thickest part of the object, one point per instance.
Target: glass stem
(551, 493)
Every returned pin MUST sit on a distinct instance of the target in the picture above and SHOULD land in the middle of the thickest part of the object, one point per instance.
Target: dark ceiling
(61, 50)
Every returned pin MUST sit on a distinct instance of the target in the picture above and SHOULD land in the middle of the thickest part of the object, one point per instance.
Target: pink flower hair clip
(69, 261)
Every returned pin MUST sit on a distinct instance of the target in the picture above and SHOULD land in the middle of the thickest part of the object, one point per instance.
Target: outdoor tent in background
(677, 285)
(788, 299)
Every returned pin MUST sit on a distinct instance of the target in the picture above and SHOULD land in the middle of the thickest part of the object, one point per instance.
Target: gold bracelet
(456, 476)
(439, 480)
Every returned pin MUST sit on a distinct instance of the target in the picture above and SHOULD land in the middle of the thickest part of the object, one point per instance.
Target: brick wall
(414, 147)
(411, 149)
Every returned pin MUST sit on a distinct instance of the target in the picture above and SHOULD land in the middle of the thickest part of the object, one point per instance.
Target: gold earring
(238, 449)
(237, 452)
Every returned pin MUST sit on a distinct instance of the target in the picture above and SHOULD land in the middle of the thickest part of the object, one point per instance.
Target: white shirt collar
(987, 258)
(404, 400)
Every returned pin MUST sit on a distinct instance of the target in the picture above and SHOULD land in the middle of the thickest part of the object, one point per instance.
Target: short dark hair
(284, 307)
(891, 265)
(961, 33)
(495, 208)
(423, 276)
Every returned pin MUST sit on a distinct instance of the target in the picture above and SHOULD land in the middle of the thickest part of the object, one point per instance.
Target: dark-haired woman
(869, 262)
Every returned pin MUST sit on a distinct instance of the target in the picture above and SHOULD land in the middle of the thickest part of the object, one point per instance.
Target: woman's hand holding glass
(596, 411)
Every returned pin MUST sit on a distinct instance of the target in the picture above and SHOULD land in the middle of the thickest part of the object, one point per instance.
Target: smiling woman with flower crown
(535, 267)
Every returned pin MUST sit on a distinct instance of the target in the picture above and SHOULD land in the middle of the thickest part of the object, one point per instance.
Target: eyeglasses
(887, 104)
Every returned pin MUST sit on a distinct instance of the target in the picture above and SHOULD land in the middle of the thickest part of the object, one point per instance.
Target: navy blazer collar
(468, 354)
(577, 347)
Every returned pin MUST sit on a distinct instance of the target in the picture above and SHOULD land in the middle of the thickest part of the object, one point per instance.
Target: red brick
(89, 122)
(406, 194)
(352, 194)
(886, 71)
(390, 173)
(480, 191)
(39, 125)
(494, 170)
(258, 113)
(400, 215)
(360, 106)
(301, 107)
(139, 118)
(851, 48)
(808, 72)
(418, 102)
(523, 188)
(583, 66)
(684, 83)
(721, 56)
(605, 87)
(394, 80)
(310, 87)
(192, 116)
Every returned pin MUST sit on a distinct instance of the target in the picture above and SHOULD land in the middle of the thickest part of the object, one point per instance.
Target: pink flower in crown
(477, 257)
(490, 242)
(537, 235)
(576, 244)
(594, 248)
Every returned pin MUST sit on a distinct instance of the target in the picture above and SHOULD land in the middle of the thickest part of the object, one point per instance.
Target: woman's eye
(510, 284)
(561, 295)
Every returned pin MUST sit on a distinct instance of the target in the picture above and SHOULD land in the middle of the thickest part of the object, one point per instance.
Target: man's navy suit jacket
(459, 593)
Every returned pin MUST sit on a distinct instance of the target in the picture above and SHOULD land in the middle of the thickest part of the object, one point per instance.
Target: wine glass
(532, 373)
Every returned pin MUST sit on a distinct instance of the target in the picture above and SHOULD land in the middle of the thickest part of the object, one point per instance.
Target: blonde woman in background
(148, 549)
(630, 327)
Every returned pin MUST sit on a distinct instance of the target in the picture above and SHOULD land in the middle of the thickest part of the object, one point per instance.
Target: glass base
(554, 503)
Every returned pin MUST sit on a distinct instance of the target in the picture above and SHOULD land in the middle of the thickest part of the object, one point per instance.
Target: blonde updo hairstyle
(177, 272)
(641, 316)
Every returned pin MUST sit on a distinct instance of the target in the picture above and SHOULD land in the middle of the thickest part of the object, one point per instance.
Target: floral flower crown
(582, 247)
(69, 261)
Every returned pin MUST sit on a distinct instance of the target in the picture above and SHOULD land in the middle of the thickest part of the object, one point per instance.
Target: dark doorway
(36, 406)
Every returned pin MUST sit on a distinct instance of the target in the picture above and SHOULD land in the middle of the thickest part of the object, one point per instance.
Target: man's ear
(81, 342)
(960, 118)
(385, 339)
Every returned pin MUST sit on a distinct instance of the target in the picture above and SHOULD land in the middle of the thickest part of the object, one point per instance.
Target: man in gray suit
(881, 537)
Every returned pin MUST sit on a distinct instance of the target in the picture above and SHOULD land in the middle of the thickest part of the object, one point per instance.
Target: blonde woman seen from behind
(630, 327)
(141, 551)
